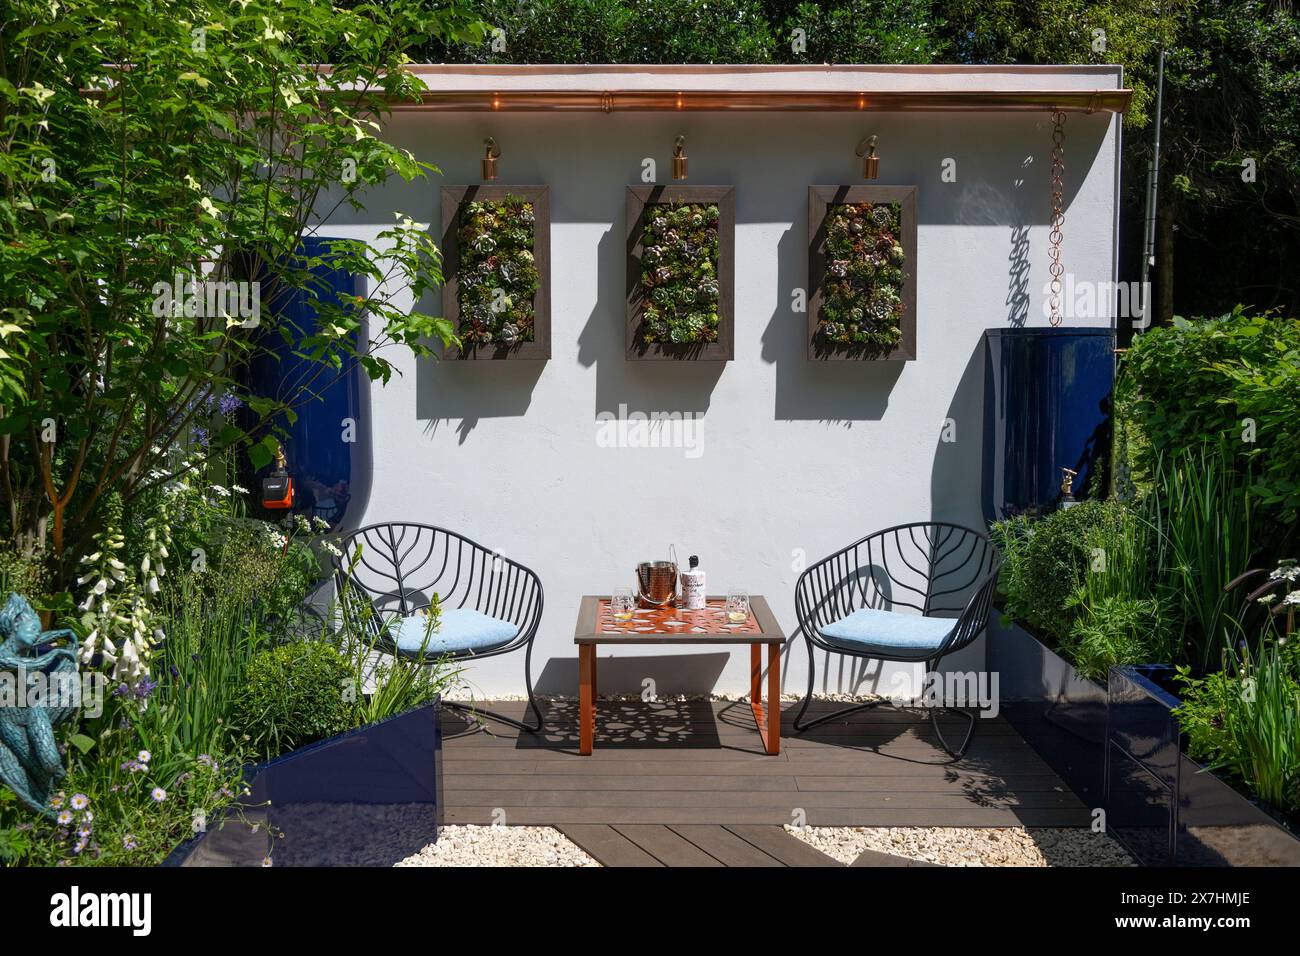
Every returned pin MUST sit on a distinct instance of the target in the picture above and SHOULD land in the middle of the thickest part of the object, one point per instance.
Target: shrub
(1200, 381)
(1046, 560)
(1115, 631)
(1086, 579)
(616, 31)
(1245, 720)
(295, 695)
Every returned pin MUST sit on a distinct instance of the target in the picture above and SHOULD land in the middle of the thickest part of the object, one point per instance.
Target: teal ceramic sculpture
(30, 762)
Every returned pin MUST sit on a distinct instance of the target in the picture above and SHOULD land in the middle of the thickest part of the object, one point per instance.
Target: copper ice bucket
(656, 583)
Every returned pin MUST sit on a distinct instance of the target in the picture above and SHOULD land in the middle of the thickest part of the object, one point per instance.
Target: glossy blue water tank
(328, 445)
(1047, 404)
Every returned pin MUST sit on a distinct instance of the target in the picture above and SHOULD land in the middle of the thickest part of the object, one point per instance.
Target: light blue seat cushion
(886, 632)
(463, 629)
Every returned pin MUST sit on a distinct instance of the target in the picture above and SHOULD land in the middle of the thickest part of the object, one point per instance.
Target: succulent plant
(498, 276)
(862, 305)
(679, 270)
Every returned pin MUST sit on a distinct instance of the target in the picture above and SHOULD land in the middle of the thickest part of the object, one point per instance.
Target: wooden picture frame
(820, 200)
(454, 199)
(638, 198)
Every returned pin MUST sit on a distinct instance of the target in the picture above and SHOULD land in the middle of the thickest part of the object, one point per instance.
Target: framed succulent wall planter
(681, 264)
(861, 273)
(496, 248)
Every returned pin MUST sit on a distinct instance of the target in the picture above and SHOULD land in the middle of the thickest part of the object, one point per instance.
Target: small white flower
(239, 489)
(144, 756)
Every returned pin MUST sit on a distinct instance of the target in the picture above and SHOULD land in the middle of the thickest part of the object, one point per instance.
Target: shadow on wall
(956, 474)
(646, 385)
(981, 204)
(467, 392)
(956, 477)
(1018, 278)
(839, 393)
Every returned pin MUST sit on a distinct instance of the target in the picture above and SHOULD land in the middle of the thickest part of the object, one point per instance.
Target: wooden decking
(685, 783)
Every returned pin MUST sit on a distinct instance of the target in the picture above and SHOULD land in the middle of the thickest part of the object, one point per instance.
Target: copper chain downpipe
(1058, 214)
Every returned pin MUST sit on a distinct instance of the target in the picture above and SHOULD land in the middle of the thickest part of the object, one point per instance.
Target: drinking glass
(621, 604)
(737, 606)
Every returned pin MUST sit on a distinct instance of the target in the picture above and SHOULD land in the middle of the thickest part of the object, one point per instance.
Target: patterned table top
(596, 624)
(675, 620)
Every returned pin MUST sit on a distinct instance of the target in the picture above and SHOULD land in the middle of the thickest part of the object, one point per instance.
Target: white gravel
(500, 846)
(970, 846)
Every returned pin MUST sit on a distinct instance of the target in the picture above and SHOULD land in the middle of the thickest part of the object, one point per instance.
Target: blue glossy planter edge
(1053, 707)
(1233, 805)
(182, 850)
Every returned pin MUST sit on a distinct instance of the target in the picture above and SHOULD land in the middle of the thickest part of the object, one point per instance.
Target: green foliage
(1230, 97)
(23, 574)
(296, 694)
(1114, 631)
(1235, 378)
(860, 31)
(1139, 582)
(679, 272)
(1245, 721)
(14, 843)
(395, 683)
(1206, 513)
(863, 305)
(1064, 31)
(1046, 562)
(130, 795)
(615, 31)
(497, 277)
(146, 142)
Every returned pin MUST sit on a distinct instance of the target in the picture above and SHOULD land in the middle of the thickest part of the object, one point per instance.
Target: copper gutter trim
(607, 101)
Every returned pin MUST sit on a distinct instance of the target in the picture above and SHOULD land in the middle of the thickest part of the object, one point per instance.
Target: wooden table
(596, 626)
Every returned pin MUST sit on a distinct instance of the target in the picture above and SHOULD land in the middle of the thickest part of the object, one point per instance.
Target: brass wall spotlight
(870, 161)
(679, 158)
(491, 151)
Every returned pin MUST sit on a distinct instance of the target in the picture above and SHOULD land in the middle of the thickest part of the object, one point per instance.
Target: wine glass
(737, 606)
(621, 604)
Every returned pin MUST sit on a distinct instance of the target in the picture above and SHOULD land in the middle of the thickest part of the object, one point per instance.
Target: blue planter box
(369, 797)
(1164, 807)
(1060, 713)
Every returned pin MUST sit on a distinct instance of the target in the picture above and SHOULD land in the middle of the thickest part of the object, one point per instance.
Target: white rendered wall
(797, 458)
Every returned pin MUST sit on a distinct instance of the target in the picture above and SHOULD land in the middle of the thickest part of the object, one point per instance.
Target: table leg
(586, 700)
(774, 698)
(767, 719)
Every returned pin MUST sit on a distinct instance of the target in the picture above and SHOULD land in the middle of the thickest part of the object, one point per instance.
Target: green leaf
(262, 453)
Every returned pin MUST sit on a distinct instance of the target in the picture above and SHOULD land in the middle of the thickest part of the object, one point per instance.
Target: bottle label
(693, 590)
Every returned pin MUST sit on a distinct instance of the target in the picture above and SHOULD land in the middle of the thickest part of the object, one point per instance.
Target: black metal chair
(936, 568)
(398, 569)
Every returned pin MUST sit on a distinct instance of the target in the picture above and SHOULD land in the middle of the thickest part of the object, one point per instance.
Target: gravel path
(970, 846)
(500, 846)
